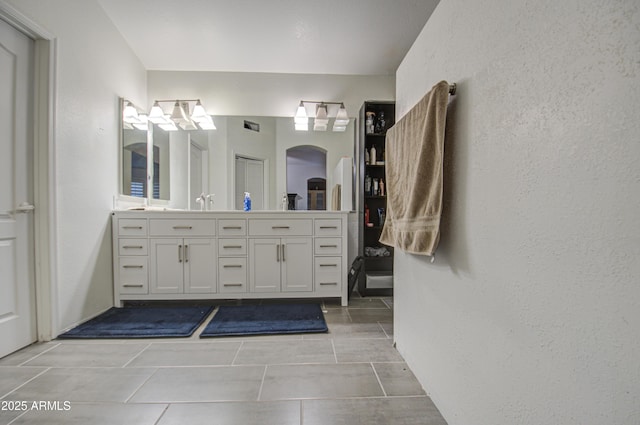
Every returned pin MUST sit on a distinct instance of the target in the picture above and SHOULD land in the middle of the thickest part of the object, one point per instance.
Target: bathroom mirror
(187, 163)
(134, 155)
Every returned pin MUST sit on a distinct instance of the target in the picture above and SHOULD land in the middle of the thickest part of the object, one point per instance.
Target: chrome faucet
(202, 201)
(210, 201)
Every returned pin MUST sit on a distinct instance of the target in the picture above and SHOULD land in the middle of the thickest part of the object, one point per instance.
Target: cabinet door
(200, 266)
(167, 258)
(265, 257)
(297, 264)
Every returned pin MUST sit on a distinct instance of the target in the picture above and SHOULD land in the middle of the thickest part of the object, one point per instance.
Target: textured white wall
(531, 312)
(94, 67)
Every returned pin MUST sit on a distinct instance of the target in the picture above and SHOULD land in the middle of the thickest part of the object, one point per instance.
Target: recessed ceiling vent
(253, 126)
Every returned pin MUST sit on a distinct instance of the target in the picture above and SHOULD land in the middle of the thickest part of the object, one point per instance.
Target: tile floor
(351, 375)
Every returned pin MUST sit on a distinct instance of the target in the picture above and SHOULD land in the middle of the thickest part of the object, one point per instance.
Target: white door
(249, 178)
(255, 183)
(17, 285)
(297, 270)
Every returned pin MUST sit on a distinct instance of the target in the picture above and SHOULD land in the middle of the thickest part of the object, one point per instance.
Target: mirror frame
(121, 197)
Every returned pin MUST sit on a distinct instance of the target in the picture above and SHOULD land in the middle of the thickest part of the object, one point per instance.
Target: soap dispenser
(284, 202)
(247, 201)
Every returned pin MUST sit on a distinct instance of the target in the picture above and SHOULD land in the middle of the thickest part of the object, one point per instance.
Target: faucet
(201, 200)
(210, 201)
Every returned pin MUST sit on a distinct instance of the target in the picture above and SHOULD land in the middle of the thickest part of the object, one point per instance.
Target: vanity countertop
(160, 211)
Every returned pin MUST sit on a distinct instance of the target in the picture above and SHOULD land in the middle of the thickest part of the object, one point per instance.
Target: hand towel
(414, 155)
(335, 198)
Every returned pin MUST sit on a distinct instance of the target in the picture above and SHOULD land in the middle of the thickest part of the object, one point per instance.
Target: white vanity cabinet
(281, 265)
(173, 255)
(182, 257)
(183, 266)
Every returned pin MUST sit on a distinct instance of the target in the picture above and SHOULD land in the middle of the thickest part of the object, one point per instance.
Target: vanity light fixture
(168, 126)
(180, 116)
(207, 123)
(321, 120)
(322, 116)
(143, 122)
(199, 114)
(132, 119)
(301, 120)
(130, 114)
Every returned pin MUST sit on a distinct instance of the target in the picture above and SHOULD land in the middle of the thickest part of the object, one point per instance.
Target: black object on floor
(266, 319)
(354, 274)
(142, 322)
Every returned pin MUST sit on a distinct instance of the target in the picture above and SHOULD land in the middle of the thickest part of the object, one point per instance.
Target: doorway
(305, 163)
(41, 177)
(17, 240)
(249, 174)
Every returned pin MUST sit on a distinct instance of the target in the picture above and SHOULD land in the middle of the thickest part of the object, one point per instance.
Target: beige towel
(414, 155)
(335, 198)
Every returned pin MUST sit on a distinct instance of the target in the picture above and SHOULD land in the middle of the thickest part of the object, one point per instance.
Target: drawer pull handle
(132, 247)
(279, 227)
(329, 227)
(186, 253)
(179, 253)
(232, 284)
(232, 246)
(132, 266)
(182, 227)
(328, 283)
(232, 227)
(328, 246)
(232, 266)
(328, 265)
(132, 227)
(130, 285)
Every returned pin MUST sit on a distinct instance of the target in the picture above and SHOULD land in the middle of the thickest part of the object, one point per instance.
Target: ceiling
(353, 37)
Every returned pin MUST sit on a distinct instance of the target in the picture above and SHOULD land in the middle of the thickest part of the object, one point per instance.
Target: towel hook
(452, 88)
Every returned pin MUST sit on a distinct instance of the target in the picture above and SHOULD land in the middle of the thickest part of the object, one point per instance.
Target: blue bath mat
(142, 322)
(265, 320)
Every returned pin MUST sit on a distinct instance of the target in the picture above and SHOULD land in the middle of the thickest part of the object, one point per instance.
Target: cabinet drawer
(328, 227)
(132, 227)
(232, 227)
(232, 247)
(328, 274)
(178, 227)
(133, 273)
(132, 247)
(266, 227)
(327, 246)
(233, 274)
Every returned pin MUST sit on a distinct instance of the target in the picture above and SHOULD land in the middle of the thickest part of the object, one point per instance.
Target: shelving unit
(376, 277)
